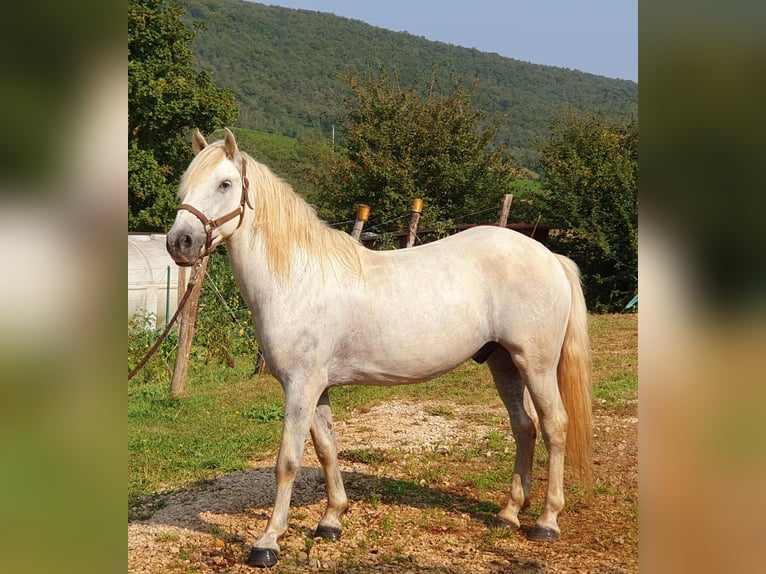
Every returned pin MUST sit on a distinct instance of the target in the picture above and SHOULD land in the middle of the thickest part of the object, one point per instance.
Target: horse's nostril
(185, 241)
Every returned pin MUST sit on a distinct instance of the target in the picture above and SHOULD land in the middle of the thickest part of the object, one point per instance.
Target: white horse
(329, 312)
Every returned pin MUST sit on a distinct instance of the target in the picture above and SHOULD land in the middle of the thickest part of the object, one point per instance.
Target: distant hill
(284, 66)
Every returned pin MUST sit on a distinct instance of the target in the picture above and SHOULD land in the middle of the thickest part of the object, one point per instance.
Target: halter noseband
(210, 224)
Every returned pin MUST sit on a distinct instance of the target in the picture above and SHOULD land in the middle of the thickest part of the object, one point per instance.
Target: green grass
(366, 456)
(231, 417)
(228, 419)
(614, 339)
(617, 388)
(445, 411)
(492, 480)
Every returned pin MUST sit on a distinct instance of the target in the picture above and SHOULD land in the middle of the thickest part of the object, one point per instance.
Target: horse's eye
(225, 185)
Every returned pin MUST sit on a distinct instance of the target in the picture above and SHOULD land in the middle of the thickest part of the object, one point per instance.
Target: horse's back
(499, 263)
(481, 243)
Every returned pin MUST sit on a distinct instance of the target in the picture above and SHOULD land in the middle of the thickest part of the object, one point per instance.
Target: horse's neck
(249, 261)
(257, 280)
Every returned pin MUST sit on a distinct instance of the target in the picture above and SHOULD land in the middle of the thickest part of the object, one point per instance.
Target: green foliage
(400, 143)
(224, 326)
(141, 336)
(286, 67)
(590, 192)
(166, 98)
(150, 199)
(289, 158)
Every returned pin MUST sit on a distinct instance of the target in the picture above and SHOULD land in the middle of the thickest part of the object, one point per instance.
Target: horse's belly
(354, 375)
(407, 363)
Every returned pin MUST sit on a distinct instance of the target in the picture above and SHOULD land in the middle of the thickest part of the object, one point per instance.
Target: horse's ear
(198, 141)
(230, 144)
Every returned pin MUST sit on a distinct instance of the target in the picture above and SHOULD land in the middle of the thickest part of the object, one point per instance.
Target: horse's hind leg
(511, 389)
(323, 438)
(544, 392)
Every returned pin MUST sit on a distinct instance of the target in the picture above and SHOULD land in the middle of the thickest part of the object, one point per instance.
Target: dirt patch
(413, 509)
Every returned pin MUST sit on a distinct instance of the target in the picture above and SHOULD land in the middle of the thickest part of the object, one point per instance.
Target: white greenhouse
(153, 277)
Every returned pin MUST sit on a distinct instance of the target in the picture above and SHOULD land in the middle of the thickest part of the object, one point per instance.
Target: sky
(595, 36)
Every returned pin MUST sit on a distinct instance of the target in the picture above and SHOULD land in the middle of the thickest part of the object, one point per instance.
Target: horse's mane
(286, 222)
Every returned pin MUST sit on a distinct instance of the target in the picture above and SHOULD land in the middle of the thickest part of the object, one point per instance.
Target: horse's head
(214, 191)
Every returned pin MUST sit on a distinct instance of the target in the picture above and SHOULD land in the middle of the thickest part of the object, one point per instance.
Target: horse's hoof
(542, 534)
(262, 557)
(500, 522)
(327, 533)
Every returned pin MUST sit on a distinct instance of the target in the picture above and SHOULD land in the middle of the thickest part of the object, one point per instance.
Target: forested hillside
(284, 67)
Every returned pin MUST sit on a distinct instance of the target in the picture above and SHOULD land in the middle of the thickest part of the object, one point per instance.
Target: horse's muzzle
(184, 245)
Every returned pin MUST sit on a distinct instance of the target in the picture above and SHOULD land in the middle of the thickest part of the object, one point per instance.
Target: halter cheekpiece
(211, 224)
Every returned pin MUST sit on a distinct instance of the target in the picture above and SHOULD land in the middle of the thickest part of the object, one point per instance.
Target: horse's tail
(574, 375)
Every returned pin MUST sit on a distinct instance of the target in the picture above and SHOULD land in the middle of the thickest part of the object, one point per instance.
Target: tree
(590, 191)
(166, 98)
(398, 144)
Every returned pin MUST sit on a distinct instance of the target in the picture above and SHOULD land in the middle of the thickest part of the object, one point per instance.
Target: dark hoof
(541, 534)
(498, 522)
(327, 533)
(262, 557)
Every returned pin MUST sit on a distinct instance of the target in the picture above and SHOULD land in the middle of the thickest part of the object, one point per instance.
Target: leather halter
(211, 224)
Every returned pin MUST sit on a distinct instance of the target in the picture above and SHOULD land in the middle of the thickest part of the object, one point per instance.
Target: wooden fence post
(507, 200)
(539, 217)
(181, 285)
(417, 209)
(186, 321)
(362, 215)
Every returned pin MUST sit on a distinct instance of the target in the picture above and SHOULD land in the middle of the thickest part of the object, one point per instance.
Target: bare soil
(408, 469)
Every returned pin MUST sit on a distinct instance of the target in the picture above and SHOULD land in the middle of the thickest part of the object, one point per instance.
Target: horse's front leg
(300, 404)
(323, 438)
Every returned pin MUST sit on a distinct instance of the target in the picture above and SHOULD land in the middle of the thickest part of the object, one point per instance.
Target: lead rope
(164, 334)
